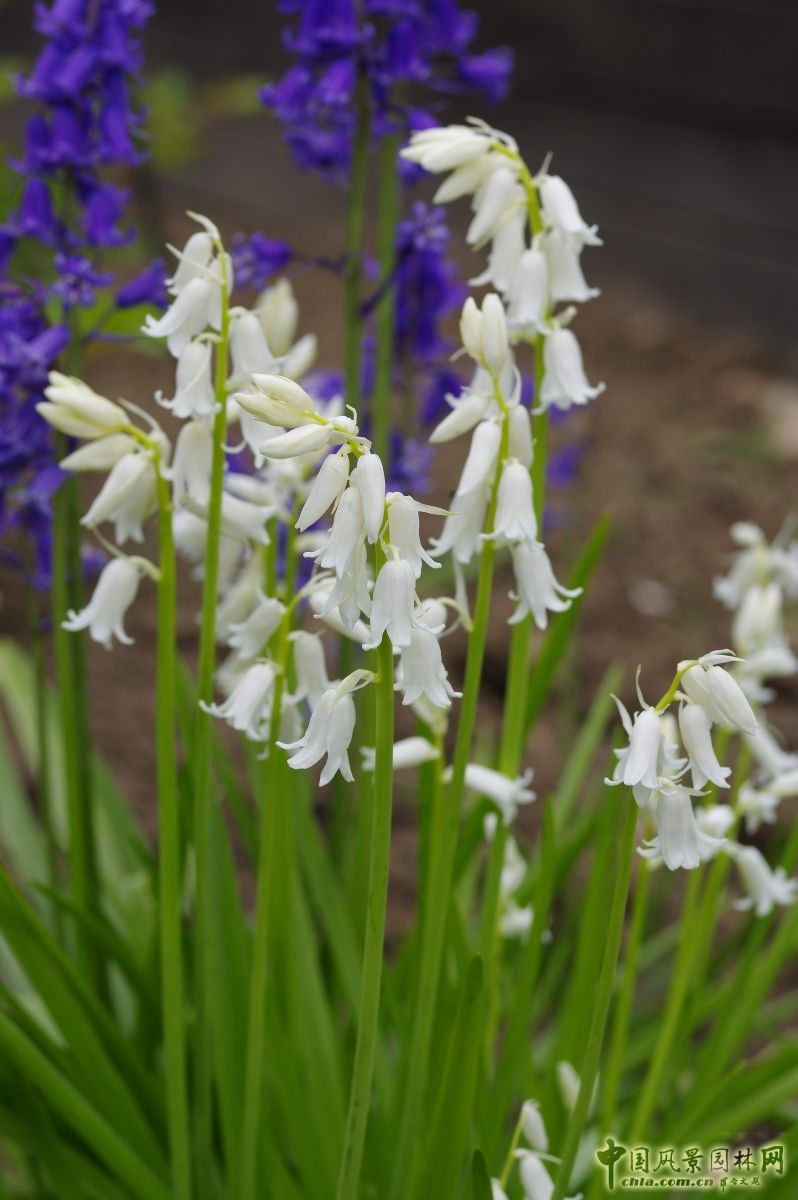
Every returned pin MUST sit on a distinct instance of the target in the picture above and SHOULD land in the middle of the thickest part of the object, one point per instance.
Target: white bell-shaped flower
(446, 148)
(74, 408)
(766, 888)
(191, 465)
(248, 708)
(319, 602)
(533, 1126)
(193, 261)
(468, 409)
(567, 284)
(238, 601)
(251, 636)
(771, 757)
(404, 531)
(421, 672)
(349, 595)
(507, 246)
(310, 667)
(127, 498)
(409, 752)
(483, 455)
(329, 734)
(520, 442)
(368, 478)
(642, 762)
(195, 308)
(325, 490)
(539, 592)
(113, 595)
(393, 605)
(535, 1179)
(347, 533)
(679, 841)
(528, 294)
(565, 384)
(462, 530)
(515, 512)
(244, 520)
(757, 806)
(696, 730)
(494, 202)
(716, 821)
(507, 794)
(561, 212)
(249, 350)
(194, 392)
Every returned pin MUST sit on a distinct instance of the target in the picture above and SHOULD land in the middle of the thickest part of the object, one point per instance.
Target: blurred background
(676, 124)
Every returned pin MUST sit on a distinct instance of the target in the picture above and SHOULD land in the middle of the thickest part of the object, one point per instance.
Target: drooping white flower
(535, 1179)
(528, 295)
(194, 392)
(404, 532)
(482, 457)
(250, 636)
(235, 605)
(100, 454)
(248, 708)
(679, 840)
(244, 520)
(319, 600)
(74, 408)
(349, 595)
(507, 245)
(568, 1082)
(393, 605)
(534, 1127)
(347, 533)
(716, 821)
(329, 733)
(325, 490)
(758, 562)
(720, 696)
(191, 466)
(519, 429)
(409, 752)
(766, 888)
(310, 667)
(758, 620)
(113, 595)
(757, 806)
(539, 592)
(484, 332)
(696, 731)
(772, 758)
(193, 260)
(462, 530)
(507, 794)
(127, 498)
(561, 212)
(494, 201)
(421, 672)
(566, 281)
(468, 410)
(368, 478)
(515, 512)
(195, 307)
(564, 381)
(249, 350)
(278, 312)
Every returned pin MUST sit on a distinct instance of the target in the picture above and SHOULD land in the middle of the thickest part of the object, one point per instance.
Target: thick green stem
(601, 997)
(206, 957)
(376, 905)
(388, 206)
(169, 900)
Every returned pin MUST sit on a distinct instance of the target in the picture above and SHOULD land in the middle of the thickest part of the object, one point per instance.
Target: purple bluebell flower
(85, 120)
(148, 287)
(257, 258)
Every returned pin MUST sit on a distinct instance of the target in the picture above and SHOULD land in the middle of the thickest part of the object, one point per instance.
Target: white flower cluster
(722, 689)
(536, 236)
(533, 1174)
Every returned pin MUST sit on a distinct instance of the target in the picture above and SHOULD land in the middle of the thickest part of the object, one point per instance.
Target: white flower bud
(194, 260)
(99, 455)
(471, 329)
(73, 408)
(249, 349)
(113, 595)
(721, 697)
(493, 203)
(695, 728)
(409, 752)
(304, 440)
(533, 1126)
(278, 312)
(520, 435)
(444, 149)
(278, 401)
(495, 345)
